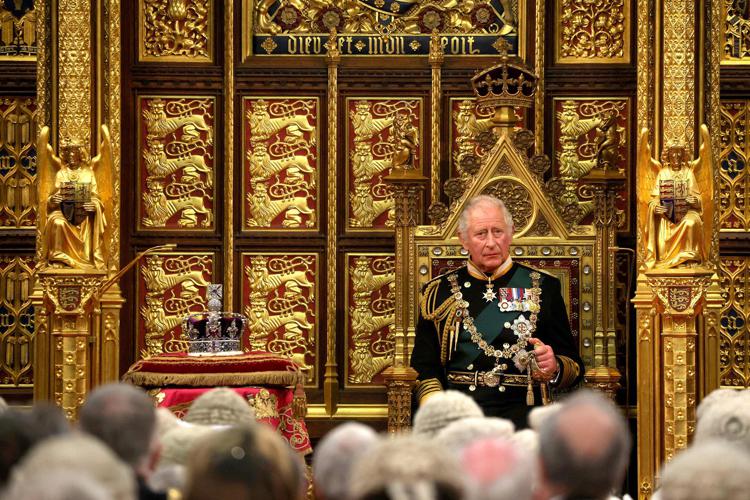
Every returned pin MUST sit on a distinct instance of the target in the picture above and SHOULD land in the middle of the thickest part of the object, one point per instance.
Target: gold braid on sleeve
(570, 371)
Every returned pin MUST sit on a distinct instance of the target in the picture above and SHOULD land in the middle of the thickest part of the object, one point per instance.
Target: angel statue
(78, 198)
(674, 195)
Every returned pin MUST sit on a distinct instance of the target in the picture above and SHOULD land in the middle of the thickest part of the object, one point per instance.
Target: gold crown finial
(507, 83)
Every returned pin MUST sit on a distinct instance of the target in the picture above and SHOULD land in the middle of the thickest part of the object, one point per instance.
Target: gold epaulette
(431, 310)
(542, 271)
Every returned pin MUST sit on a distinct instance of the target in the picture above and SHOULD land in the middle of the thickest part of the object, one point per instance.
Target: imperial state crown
(214, 332)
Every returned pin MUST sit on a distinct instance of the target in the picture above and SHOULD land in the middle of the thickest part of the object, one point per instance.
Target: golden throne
(548, 236)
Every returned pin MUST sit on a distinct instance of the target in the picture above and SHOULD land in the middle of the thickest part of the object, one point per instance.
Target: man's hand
(660, 209)
(545, 359)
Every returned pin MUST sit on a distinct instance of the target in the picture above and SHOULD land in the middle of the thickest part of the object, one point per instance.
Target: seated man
(479, 325)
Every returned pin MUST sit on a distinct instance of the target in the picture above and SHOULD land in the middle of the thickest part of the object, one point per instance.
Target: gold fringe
(151, 379)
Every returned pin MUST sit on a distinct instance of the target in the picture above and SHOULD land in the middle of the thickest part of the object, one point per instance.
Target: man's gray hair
(477, 201)
(336, 454)
(712, 470)
(584, 447)
(124, 418)
(58, 485)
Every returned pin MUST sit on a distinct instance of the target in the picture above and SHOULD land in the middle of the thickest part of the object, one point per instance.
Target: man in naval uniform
(494, 329)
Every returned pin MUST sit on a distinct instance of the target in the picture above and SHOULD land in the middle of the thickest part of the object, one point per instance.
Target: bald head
(584, 447)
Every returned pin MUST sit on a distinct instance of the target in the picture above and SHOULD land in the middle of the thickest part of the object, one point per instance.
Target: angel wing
(103, 169)
(47, 166)
(647, 171)
(704, 175)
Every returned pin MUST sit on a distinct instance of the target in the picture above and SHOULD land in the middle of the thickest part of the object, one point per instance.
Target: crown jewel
(504, 84)
(214, 333)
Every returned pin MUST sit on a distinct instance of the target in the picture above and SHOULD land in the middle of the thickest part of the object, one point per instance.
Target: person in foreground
(494, 329)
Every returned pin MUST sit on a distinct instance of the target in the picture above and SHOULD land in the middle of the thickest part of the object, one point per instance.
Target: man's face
(487, 237)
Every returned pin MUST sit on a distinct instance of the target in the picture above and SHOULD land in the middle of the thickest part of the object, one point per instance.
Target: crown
(214, 333)
(504, 84)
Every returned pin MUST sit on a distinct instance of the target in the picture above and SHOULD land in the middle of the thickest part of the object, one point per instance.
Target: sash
(490, 322)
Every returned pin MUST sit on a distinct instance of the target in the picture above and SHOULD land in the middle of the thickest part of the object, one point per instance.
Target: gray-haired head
(220, 406)
(539, 414)
(78, 453)
(124, 418)
(335, 456)
(584, 447)
(727, 419)
(443, 408)
(409, 468)
(58, 485)
(461, 433)
(712, 470)
(483, 200)
(496, 468)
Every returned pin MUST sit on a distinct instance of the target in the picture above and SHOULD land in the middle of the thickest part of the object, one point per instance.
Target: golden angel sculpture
(75, 199)
(676, 196)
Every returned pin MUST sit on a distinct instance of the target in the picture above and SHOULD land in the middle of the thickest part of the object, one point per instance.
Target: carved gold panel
(369, 317)
(280, 299)
(18, 121)
(734, 181)
(369, 152)
(171, 285)
(469, 129)
(18, 30)
(281, 164)
(381, 27)
(16, 321)
(592, 133)
(736, 15)
(734, 343)
(592, 31)
(177, 160)
(175, 30)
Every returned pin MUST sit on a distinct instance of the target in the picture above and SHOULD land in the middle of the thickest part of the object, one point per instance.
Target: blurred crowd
(123, 448)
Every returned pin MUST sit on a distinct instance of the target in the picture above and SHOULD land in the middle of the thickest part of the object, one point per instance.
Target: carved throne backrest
(543, 238)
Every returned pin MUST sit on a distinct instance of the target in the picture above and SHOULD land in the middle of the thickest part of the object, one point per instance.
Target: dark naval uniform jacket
(445, 357)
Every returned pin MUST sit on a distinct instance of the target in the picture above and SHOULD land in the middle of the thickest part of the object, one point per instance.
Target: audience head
(244, 462)
(59, 485)
(3, 405)
(528, 439)
(717, 396)
(124, 418)
(707, 471)
(441, 409)
(75, 453)
(178, 443)
(728, 419)
(335, 455)
(498, 469)
(461, 433)
(584, 447)
(165, 420)
(541, 413)
(407, 468)
(221, 406)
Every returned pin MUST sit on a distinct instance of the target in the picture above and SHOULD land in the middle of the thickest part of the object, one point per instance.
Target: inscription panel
(18, 203)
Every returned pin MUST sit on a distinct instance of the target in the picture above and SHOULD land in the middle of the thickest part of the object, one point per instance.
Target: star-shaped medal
(489, 295)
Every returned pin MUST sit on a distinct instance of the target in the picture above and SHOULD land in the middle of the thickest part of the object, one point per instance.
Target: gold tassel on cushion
(529, 387)
(299, 403)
